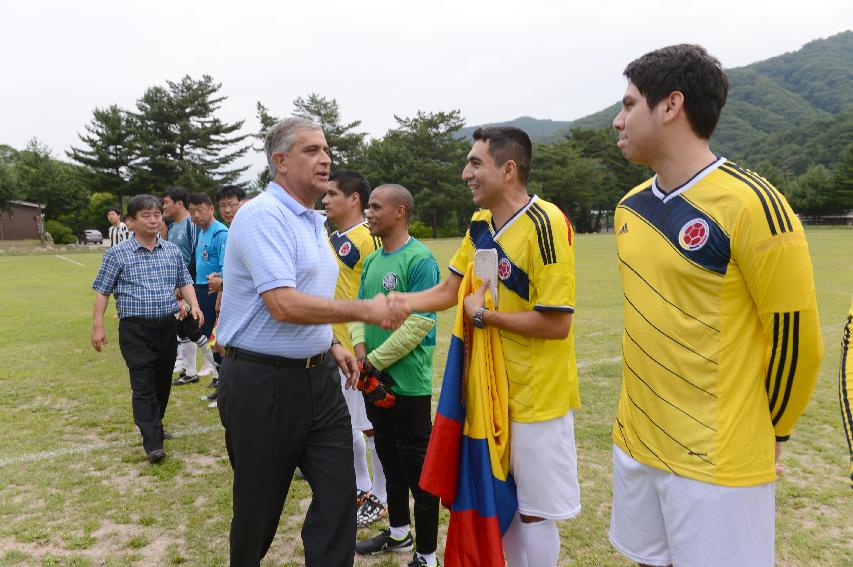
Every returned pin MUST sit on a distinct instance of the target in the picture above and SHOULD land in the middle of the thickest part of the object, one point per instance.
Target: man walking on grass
(143, 273)
(279, 394)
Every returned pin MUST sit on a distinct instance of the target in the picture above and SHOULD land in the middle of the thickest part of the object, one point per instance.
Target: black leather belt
(279, 361)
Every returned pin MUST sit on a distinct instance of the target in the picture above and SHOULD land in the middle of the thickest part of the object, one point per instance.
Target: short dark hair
(179, 194)
(687, 68)
(114, 210)
(142, 203)
(350, 182)
(231, 191)
(200, 199)
(508, 143)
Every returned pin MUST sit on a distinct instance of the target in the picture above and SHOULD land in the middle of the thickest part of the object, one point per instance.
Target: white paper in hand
(486, 267)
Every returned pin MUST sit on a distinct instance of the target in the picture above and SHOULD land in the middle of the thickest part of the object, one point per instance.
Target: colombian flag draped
(467, 463)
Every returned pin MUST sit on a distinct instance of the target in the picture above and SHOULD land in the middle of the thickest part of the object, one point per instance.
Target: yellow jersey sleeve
(553, 278)
(464, 254)
(775, 262)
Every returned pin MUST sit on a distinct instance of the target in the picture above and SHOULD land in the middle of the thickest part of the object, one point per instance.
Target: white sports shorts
(659, 518)
(355, 405)
(543, 461)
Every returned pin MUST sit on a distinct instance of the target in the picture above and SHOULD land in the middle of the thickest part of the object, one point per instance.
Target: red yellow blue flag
(467, 462)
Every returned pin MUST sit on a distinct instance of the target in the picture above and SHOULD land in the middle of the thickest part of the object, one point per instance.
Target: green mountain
(539, 130)
(776, 108)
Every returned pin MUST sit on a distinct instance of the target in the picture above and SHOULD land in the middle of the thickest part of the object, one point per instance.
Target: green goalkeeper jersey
(412, 267)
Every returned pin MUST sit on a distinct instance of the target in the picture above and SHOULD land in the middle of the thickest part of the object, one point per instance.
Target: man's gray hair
(282, 136)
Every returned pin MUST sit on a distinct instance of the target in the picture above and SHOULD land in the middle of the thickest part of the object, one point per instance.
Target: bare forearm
(98, 309)
(291, 306)
(188, 293)
(536, 324)
(438, 298)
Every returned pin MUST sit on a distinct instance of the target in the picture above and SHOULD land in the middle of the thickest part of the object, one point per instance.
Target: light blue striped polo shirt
(274, 242)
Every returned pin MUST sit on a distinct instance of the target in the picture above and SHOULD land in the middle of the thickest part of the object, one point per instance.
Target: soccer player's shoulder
(420, 250)
(555, 219)
(636, 189)
(753, 196)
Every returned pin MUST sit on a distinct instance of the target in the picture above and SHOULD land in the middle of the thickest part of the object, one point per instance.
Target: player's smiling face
(639, 127)
(483, 176)
(381, 213)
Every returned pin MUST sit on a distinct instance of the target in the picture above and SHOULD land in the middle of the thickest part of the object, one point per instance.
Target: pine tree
(180, 141)
(110, 150)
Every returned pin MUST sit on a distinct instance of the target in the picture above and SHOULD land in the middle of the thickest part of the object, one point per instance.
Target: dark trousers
(149, 347)
(275, 419)
(402, 435)
(207, 304)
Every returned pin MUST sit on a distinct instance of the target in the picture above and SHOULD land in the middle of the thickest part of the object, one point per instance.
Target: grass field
(75, 488)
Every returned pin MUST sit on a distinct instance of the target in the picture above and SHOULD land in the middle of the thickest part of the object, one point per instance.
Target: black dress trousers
(275, 419)
(149, 349)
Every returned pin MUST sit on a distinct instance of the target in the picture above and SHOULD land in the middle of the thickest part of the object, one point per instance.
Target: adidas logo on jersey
(623, 230)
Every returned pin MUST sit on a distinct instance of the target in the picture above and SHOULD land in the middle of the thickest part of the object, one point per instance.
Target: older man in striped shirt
(280, 398)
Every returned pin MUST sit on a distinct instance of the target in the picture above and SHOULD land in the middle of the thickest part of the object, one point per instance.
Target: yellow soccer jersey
(845, 374)
(536, 269)
(721, 344)
(351, 247)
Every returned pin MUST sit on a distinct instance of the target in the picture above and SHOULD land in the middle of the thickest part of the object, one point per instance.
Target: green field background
(75, 488)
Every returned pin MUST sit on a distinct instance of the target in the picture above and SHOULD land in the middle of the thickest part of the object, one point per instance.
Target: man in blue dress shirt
(280, 398)
(143, 273)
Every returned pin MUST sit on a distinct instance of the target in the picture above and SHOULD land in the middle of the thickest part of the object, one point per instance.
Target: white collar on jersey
(513, 218)
(665, 197)
(350, 229)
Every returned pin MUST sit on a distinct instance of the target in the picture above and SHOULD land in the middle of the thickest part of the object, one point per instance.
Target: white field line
(65, 451)
(70, 260)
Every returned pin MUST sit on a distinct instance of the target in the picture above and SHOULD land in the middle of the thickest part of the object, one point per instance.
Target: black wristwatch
(478, 317)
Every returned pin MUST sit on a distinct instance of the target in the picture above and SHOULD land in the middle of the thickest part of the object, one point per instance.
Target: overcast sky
(493, 60)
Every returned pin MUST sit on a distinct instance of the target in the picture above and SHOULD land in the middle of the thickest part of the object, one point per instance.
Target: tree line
(174, 136)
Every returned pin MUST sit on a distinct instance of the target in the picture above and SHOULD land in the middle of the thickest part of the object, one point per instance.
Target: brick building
(24, 222)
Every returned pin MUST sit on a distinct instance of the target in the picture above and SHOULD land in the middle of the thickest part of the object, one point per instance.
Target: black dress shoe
(156, 455)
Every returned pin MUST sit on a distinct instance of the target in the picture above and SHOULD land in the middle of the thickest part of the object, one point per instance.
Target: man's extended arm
(287, 304)
(438, 298)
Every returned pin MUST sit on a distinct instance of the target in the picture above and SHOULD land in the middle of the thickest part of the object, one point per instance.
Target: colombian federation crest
(389, 282)
(504, 269)
(345, 249)
(694, 234)
(204, 255)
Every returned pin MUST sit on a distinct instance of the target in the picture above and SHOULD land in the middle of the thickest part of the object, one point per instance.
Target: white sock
(399, 533)
(378, 489)
(207, 353)
(359, 452)
(189, 358)
(429, 558)
(513, 541)
(542, 543)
